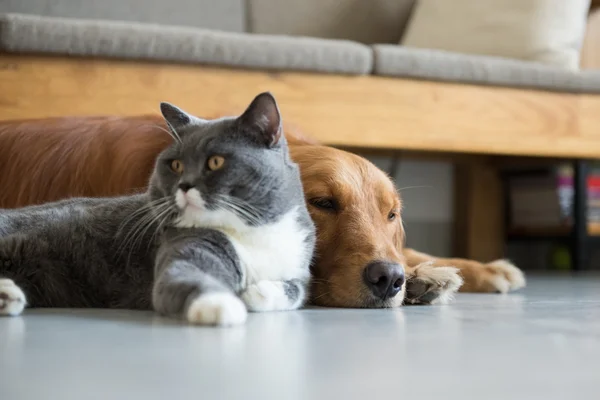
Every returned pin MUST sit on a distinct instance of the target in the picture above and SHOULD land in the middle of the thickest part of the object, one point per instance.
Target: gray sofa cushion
(27, 33)
(365, 21)
(227, 15)
(446, 66)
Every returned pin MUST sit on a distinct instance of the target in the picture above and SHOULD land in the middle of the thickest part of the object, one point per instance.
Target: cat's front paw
(221, 309)
(12, 298)
(266, 296)
(430, 285)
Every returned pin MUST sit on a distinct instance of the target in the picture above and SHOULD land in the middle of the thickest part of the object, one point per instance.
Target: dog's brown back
(50, 159)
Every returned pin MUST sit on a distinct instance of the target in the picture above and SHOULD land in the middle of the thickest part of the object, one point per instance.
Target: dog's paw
(266, 296)
(221, 309)
(12, 298)
(502, 277)
(430, 285)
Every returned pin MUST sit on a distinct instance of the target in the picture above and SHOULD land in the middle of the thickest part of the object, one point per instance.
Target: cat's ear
(263, 116)
(177, 119)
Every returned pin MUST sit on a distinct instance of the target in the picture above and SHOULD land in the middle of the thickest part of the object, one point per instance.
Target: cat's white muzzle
(190, 199)
(191, 206)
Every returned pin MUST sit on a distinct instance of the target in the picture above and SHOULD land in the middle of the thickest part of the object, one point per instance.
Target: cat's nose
(184, 186)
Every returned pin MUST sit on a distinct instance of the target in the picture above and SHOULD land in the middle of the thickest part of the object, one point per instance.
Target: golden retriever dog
(359, 261)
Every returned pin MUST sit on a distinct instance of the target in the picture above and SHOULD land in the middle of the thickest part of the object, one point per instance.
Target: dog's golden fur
(50, 159)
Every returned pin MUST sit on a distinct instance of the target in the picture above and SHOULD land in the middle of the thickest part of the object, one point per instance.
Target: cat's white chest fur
(272, 252)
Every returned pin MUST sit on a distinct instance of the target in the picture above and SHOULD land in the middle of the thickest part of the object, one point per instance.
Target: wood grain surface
(363, 111)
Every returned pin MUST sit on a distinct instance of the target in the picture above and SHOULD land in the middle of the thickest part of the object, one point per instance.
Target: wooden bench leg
(479, 212)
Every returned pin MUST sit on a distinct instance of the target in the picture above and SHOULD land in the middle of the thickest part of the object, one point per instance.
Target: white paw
(266, 296)
(432, 285)
(506, 277)
(12, 298)
(222, 309)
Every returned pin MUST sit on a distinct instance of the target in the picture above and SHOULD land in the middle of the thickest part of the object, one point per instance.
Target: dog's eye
(324, 203)
(392, 215)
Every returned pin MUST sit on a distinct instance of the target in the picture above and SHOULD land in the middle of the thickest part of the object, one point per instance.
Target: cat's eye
(177, 166)
(324, 203)
(215, 162)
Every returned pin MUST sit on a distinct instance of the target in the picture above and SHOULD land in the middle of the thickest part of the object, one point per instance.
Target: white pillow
(546, 31)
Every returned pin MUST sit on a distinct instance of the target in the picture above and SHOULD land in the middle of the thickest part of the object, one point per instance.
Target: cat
(222, 229)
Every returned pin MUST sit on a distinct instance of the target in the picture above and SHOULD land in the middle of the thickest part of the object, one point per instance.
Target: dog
(360, 259)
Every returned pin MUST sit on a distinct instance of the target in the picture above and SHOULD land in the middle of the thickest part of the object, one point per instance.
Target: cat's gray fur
(191, 246)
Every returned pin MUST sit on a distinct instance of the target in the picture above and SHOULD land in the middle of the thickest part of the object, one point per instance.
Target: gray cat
(222, 229)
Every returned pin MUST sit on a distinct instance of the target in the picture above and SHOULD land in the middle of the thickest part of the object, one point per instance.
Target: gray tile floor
(541, 343)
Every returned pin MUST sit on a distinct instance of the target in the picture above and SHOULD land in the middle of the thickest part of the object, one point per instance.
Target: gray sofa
(326, 36)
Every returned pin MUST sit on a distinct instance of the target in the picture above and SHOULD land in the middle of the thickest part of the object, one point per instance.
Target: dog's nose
(385, 279)
(184, 186)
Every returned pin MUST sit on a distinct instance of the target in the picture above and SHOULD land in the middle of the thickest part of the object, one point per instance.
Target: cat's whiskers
(238, 208)
(243, 204)
(162, 219)
(133, 235)
(173, 132)
(146, 222)
(164, 130)
(142, 214)
(138, 213)
(146, 207)
(138, 232)
(251, 217)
